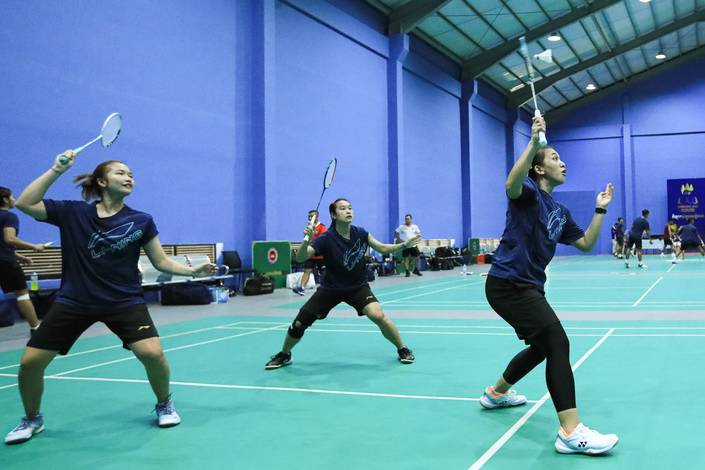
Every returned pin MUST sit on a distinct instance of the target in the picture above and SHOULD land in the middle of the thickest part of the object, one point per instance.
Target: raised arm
(587, 242)
(386, 248)
(159, 259)
(521, 168)
(31, 200)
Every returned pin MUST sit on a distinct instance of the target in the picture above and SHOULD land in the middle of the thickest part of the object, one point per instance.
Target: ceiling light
(591, 87)
(660, 55)
(515, 88)
(554, 36)
(644, 1)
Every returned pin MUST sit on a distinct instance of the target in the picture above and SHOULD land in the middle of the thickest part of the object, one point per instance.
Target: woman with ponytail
(101, 239)
(345, 280)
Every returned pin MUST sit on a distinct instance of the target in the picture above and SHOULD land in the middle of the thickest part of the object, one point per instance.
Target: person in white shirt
(410, 256)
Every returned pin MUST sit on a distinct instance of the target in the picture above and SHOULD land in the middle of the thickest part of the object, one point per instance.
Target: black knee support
(302, 321)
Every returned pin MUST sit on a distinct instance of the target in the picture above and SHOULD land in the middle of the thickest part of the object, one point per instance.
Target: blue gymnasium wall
(232, 111)
(637, 138)
(168, 70)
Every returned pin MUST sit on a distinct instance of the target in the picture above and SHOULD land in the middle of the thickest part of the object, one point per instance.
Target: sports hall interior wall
(233, 109)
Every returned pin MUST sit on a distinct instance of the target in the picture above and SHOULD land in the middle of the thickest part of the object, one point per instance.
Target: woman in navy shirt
(100, 248)
(515, 288)
(343, 247)
(12, 277)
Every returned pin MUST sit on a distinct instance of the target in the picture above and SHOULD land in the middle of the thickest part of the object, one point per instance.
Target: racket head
(330, 173)
(111, 129)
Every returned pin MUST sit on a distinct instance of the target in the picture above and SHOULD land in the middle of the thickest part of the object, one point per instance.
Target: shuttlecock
(545, 56)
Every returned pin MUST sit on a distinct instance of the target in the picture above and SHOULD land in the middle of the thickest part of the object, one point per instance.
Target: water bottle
(34, 282)
(464, 270)
(223, 295)
(214, 294)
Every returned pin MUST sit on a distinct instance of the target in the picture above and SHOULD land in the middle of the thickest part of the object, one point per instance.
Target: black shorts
(412, 252)
(65, 323)
(523, 306)
(631, 241)
(323, 300)
(689, 245)
(667, 242)
(313, 263)
(11, 277)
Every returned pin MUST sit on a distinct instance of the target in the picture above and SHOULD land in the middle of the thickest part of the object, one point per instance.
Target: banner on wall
(686, 198)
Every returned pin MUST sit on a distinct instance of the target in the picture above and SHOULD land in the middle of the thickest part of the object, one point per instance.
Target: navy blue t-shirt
(689, 234)
(535, 225)
(638, 226)
(8, 219)
(618, 231)
(99, 255)
(345, 259)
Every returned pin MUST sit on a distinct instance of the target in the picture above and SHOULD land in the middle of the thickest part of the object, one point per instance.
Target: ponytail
(88, 182)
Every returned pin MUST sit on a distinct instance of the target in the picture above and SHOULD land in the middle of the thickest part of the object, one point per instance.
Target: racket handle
(542, 135)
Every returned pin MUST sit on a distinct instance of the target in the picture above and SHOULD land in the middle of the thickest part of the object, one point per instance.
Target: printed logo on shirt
(113, 240)
(556, 221)
(354, 255)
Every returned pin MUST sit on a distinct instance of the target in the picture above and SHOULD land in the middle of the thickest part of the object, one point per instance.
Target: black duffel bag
(190, 293)
(260, 284)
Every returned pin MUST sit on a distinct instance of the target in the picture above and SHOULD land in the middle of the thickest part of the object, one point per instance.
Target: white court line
(387, 302)
(479, 463)
(473, 333)
(186, 346)
(116, 346)
(427, 286)
(500, 327)
(277, 389)
(647, 291)
(671, 268)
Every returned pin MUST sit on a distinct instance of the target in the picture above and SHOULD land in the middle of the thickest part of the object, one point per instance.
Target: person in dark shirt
(100, 248)
(343, 247)
(515, 288)
(617, 232)
(640, 226)
(670, 238)
(12, 277)
(690, 239)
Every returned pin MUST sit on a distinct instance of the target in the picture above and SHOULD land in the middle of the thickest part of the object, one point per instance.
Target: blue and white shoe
(167, 415)
(584, 440)
(299, 290)
(24, 431)
(491, 400)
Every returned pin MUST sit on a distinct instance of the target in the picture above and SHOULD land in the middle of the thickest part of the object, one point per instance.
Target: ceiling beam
(475, 66)
(405, 18)
(557, 114)
(520, 97)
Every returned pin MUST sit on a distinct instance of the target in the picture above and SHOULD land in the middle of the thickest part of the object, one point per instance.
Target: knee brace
(302, 321)
(23, 297)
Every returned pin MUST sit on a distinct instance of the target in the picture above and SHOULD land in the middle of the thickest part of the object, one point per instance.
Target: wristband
(600, 210)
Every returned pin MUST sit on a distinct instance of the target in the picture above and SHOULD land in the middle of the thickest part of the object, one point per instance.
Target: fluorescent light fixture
(591, 87)
(660, 55)
(515, 88)
(645, 1)
(554, 36)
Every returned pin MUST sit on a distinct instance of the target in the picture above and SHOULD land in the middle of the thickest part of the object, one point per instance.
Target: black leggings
(553, 345)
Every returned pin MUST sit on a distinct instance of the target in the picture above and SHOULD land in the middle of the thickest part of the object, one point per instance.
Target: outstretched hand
(605, 197)
(204, 270)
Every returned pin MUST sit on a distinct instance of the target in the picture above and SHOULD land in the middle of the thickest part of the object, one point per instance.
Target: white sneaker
(584, 440)
(24, 431)
(167, 414)
(643, 265)
(674, 261)
(505, 400)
